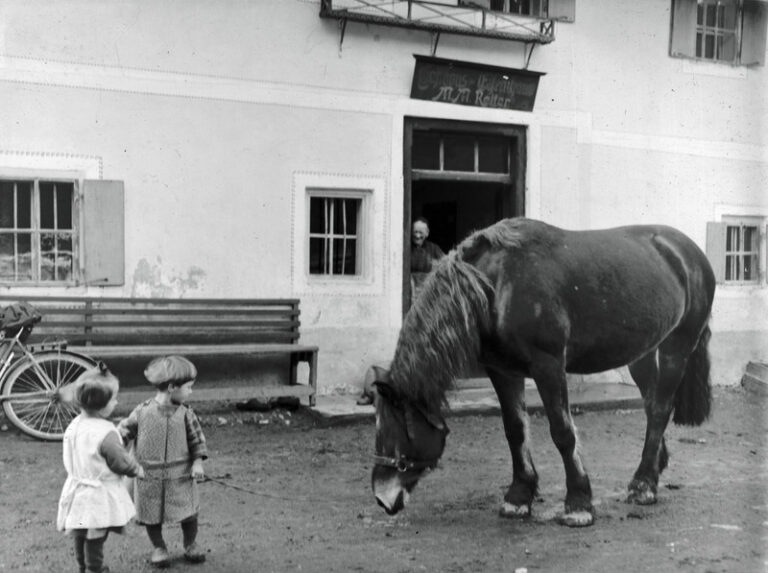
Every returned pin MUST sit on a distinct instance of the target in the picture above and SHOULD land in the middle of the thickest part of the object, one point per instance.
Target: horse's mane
(441, 333)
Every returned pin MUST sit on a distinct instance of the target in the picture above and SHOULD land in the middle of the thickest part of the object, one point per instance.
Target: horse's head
(410, 438)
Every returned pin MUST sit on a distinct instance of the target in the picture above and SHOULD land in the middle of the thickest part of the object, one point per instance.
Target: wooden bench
(107, 328)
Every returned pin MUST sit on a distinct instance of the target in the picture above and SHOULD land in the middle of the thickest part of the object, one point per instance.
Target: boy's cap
(174, 369)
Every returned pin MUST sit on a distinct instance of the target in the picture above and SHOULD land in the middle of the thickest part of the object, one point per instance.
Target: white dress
(93, 496)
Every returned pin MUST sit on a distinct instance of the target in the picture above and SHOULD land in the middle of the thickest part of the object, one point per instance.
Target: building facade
(257, 149)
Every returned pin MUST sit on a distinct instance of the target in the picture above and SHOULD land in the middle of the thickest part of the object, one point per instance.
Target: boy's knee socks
(189, 531)
(155, 533)
(80, 550)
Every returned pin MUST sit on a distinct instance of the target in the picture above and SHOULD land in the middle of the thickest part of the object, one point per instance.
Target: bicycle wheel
(31, 397)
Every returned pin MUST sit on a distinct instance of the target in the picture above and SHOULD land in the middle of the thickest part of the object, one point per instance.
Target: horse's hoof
(514, 511)
(576, 519)
(642, 497)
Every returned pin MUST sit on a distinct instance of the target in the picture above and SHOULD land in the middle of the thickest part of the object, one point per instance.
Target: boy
(170, 445)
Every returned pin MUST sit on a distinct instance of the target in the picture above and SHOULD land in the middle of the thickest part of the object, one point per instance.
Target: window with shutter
(727, 31)
(562, 10)
(38, 231)
(734, 250)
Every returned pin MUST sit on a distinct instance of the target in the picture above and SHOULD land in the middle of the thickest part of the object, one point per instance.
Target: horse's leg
(661, 373)
(645, 373)
(522, 490)
(549, 375)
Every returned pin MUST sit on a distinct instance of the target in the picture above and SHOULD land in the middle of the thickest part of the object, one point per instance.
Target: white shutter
(716, 249)
(753, 32)
(682, 38)
(103, 236)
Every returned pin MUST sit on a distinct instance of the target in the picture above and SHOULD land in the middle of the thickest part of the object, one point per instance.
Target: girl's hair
(95, 388)
(163, 371)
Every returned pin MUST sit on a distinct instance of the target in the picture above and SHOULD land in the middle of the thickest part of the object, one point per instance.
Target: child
(171, 447)
(94, 500)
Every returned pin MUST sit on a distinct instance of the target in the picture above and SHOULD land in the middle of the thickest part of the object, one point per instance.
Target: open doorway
(460, 176)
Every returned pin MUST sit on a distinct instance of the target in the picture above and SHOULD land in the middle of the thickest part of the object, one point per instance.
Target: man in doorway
(424, 255)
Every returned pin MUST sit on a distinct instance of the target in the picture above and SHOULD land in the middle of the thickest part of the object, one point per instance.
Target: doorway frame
(514, 205)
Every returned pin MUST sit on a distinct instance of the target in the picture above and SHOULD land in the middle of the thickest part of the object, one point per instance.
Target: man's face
(420, 233)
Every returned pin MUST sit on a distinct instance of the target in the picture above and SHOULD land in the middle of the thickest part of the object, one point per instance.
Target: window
(564, 10)
(725, 31)
(335, 233)
(434, 151)
(735, 248)
(37, 231)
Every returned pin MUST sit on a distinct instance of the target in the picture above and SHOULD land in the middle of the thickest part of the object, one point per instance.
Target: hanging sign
(479, 85)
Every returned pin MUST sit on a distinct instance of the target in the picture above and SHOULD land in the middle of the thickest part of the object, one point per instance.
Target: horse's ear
(384, 388)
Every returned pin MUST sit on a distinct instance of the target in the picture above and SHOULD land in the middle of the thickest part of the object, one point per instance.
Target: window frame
(716, 242)
(759, 252)
(347, 194)
(37, 231)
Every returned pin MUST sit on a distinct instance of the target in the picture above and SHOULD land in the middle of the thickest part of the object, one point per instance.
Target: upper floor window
(726, 31)
(564, 10)
(37, 231)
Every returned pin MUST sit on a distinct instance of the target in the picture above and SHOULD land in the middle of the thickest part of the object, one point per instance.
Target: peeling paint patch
(152, 280)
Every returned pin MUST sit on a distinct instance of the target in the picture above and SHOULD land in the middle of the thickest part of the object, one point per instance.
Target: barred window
(742, 245)
(37, 231)
(335, 234)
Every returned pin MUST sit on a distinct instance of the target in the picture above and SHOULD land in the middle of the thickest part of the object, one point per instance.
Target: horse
(523, 298)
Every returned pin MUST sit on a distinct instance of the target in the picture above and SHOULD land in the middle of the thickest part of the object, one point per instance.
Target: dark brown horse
(527, 299)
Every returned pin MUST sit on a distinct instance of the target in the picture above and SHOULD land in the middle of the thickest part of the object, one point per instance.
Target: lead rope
(220, 480)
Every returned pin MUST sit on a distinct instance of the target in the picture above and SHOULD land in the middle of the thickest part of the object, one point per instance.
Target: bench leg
(313, 378)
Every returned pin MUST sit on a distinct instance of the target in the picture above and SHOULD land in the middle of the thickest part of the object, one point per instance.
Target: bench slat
(150, 324)
(114, 351)
(97, 311)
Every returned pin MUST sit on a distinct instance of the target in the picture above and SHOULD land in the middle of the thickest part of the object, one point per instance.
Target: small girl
(171, 446)
(94, 500)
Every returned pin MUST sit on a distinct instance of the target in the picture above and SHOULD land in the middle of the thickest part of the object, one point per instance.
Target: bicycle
(33, 381)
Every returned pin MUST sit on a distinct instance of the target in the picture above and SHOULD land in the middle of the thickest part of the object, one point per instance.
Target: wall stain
(149, 281)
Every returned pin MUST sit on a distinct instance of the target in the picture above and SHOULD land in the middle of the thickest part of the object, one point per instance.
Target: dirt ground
(304, 501)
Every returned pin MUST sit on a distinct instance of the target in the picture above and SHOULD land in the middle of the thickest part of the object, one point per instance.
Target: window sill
(737, 290)
(716, 69)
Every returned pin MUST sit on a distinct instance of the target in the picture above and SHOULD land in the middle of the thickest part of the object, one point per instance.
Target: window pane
(24, 257)
(425, 153)
(6, 205)
(47, 206)
(344, 256)
(24, 204)
(750, 239)
(318, 215)
(459, 153)
(64, 192)
(64, 258)
(345, 216)
(709, 47)
(710, 13)
(7, 258)
(493, 155)
(700, 14)
(750, 267)
(732, 239)
(729, 20)
(317, 256)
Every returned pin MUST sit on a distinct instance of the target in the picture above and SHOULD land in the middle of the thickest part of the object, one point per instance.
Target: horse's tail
(693, 399)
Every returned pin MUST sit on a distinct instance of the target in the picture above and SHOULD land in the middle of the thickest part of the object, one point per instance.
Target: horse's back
(608, 295)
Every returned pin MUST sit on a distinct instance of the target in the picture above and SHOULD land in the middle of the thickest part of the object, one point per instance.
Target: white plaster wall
(208, 111)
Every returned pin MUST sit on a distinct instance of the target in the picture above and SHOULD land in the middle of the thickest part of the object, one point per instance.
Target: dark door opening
(461, 176)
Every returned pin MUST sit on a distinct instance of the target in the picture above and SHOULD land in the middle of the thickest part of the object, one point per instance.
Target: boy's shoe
(194, 554)
(160, 557)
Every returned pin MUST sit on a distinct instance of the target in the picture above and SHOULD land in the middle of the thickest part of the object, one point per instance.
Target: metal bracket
(528, 52)
(433, 43)
(342, 29)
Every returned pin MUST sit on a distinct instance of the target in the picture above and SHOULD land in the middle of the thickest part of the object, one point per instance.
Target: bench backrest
(148, 321)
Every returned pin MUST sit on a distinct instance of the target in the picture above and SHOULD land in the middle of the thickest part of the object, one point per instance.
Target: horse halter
(403, 463)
